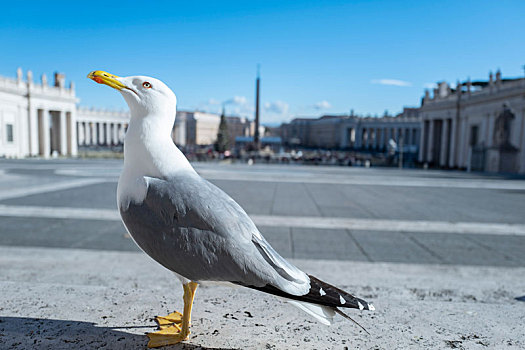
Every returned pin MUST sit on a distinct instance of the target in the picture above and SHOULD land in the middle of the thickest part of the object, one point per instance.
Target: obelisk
(256, 131)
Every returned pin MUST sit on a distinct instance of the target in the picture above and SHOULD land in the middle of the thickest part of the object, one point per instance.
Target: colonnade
(439, 142)
(52, 132)
(377, 138)
(101, 134)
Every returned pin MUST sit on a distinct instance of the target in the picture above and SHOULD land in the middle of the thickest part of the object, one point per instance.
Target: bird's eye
(146, 85)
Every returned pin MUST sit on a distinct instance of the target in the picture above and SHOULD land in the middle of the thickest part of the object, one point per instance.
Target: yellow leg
(174, 328)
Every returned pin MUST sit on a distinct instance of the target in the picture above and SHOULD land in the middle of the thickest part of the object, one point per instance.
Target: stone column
(343, 144)
(115, 134)
(358, 135)
(430, 139)
(421, 156)
(444, 143)
(108, 134)
(101, 133)
(87, 129)
(460, 142)
(46, 137)
(122, 133)
(94, 133)
(421, 141)
(62, 133)
(73, 135)
(465, 143)
(33, 131)
(81, 134)
(452, 157)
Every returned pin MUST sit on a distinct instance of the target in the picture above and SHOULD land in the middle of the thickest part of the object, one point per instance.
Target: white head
(148, 147)
(145, 96)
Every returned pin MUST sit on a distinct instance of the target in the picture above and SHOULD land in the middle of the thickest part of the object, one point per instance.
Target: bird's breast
(131, 188)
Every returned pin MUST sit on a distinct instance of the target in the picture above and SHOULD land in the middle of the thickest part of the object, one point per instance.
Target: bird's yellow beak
(102, 77)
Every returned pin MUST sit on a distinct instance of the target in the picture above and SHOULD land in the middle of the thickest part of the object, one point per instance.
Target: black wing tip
(320, 293)
(336, 297)
(363, 305)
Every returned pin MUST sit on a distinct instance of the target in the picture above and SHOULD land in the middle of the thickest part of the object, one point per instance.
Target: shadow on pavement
(39, 333)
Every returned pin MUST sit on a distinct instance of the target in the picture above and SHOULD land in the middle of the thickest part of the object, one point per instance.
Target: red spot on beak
(98, 80)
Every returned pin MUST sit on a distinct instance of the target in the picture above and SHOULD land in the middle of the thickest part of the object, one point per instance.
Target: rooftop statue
(502, 128)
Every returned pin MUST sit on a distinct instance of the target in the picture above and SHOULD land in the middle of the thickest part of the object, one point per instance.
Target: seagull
(193, 228)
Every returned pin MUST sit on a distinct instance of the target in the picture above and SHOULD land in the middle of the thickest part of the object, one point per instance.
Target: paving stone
(325, 244)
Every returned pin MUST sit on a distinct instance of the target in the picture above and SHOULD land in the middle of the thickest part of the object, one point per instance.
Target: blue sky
(316, 57)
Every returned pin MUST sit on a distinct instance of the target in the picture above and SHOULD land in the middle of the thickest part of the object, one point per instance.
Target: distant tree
(223, 142)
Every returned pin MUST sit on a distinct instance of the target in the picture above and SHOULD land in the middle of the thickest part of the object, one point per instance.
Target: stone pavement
(440, 254)
(88, 299)
(334, 213)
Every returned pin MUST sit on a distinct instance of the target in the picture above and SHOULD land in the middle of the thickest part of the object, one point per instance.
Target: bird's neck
(149, 149)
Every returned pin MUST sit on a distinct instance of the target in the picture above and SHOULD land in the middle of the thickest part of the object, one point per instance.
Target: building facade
(238, 126)
(478, 125)
(43, 120)
(37, 119)
(353, 132)
(376, 133)
(200, 128)
(195, 128)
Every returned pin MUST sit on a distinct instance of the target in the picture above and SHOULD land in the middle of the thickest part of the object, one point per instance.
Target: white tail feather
(323, 314)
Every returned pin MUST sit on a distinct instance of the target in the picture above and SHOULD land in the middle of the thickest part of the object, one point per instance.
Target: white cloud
(236, 100)
(238, 105)
(244, 111)
(322, 105)
(393, 82)
(277, 107)
(430, 85)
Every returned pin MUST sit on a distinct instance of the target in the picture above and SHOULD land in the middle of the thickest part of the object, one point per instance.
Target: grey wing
(196, 230)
